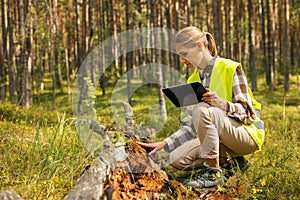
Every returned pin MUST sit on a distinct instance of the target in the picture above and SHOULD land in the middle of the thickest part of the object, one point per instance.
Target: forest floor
(42, 157)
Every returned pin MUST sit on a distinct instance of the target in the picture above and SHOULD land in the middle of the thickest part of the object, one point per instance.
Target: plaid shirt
(240, 108)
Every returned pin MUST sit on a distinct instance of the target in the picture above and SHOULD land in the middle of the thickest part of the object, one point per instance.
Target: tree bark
(77, 40)
(286, 46)
(227, 7)
(251, 49)
(84, 28)
(237, 52)
(263, 41)
(102, 56)
(129, 40)
(158, 39)
(3, 52)
(271, 57)
(29, 53)
(12, 71)
(25, 62)
(2, 73)
(218, 25)
(208, 17)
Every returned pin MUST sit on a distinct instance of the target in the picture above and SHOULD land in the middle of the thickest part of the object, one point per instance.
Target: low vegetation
(41, 156)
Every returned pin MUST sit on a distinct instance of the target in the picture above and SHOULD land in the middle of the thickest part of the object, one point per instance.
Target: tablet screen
(185, 94)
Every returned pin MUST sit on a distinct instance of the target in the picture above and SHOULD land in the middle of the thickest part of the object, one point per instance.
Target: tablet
(185, 94)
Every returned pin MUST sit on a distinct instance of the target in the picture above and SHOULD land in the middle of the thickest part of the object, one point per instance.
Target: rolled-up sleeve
(241, 106)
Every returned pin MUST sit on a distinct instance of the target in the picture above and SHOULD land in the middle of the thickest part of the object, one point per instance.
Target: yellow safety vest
(221, 82)
(194, 77)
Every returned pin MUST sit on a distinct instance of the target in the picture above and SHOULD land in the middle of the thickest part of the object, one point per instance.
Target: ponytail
(211, 44)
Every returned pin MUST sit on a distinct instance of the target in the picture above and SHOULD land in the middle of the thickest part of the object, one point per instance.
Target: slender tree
(129, 56)
(208, 15)
(2, 73)
(270, 44)
(263, 40)
(218, 24)
(24, 60)
(158, 39)
(228, 42)
(286, 45)
(12, 71)
(237, 49)
(102, 56)
(78, 47)
(251, 49)
(3, 54)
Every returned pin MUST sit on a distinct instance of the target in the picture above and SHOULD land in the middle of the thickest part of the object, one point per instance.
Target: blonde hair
(190, 36)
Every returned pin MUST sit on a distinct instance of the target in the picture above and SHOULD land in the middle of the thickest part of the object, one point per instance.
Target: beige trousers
(218, 136)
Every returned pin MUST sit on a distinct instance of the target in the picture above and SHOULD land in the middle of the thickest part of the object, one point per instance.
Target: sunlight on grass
(275, 171)
(41, 155)
(41, 162)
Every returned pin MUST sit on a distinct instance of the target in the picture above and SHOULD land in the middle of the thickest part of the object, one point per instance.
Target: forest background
(44, 43)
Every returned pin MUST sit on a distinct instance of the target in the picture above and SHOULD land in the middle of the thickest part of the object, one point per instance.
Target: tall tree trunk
(102, 55)
(236, 24)
(129, 40)
(78, 44)
(121, 59)
(218, 24)
(140, 59)
(251, 49)
(286, 46)
(113, 32)
(29, 42)
(53, 51)
(187, 8)
(3, 50)
(2, 73)
(163, 36)
(175, 22)
(271, 58)
(25, 88)
(12, 71)
(187, 11)
(169, 10)
(68, 74)
(227, 7)
(263, 41)
(84, 28)
(208, 17)
(90, 36)
(158, 58)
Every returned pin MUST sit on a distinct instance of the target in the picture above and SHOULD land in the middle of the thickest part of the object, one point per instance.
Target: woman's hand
(214, 100)
(156, 146)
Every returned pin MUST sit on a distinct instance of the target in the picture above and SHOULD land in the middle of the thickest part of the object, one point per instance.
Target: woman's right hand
(156, 146)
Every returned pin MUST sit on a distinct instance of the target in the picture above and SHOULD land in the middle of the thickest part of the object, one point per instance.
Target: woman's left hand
(214, 100)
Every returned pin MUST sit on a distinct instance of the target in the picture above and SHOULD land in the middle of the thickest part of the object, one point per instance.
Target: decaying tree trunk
(133, 175)
(91, 183)
(9, 195)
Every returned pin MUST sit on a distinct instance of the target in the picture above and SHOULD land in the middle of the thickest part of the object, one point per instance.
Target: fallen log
(137, 177)
(133, 174)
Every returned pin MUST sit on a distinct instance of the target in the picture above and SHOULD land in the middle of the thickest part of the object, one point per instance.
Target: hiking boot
(234, 165)
(209, 177)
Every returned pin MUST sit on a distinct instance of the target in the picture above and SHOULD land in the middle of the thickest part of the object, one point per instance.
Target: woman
(225, 123)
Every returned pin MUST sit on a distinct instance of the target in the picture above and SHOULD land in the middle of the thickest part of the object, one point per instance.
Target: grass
(40, 161)
(41, 156)
(275, 171)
